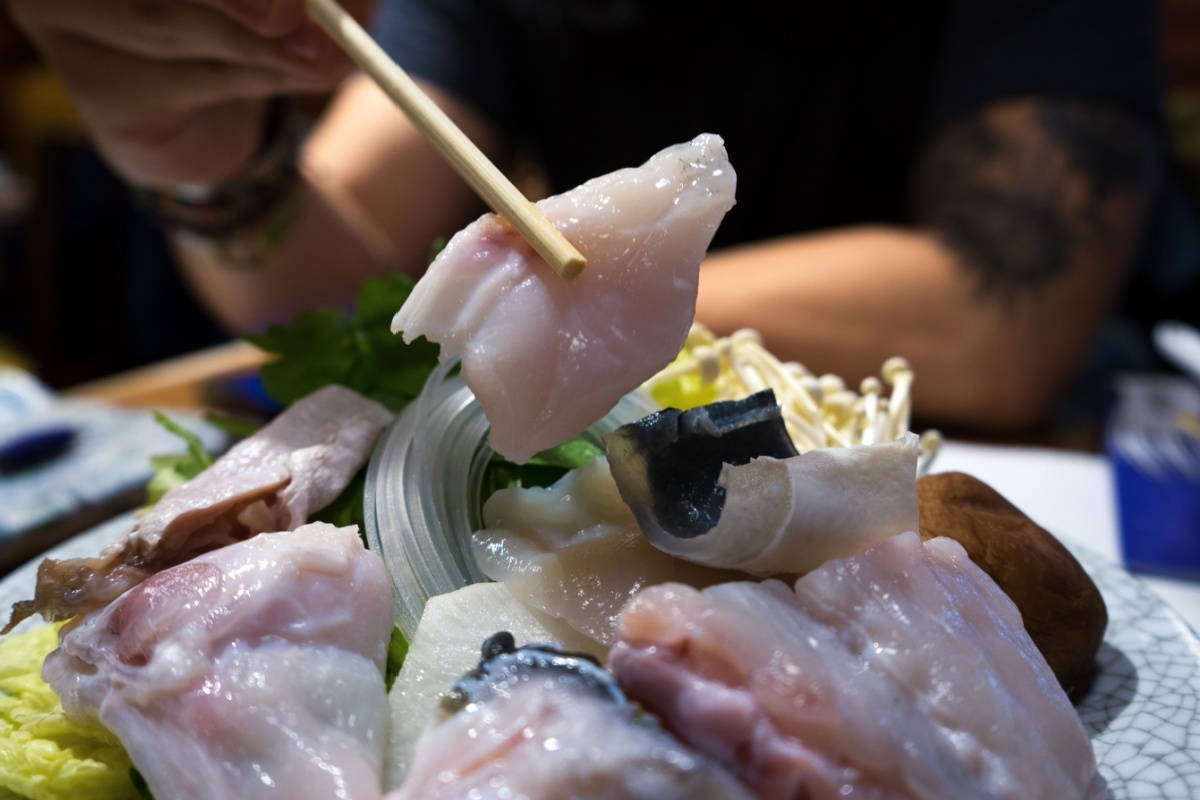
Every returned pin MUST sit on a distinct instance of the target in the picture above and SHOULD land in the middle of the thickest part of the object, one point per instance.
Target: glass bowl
(422, 495)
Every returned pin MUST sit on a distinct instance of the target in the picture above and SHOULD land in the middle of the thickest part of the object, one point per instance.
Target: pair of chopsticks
(471, 164)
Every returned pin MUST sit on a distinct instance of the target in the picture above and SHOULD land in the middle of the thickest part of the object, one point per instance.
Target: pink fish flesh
(547, 357)
(254, 671)
(270, 481)
(900, 672)
(538, 724)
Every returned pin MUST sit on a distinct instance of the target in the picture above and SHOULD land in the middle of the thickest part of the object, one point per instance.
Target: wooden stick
(481, 174)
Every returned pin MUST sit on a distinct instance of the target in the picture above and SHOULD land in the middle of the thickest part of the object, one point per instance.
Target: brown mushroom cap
(1062, 608)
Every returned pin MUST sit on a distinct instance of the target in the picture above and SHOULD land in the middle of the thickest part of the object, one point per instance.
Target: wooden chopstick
(463, 155)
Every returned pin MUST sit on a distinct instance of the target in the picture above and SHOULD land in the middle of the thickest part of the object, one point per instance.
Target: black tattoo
(1018, 197)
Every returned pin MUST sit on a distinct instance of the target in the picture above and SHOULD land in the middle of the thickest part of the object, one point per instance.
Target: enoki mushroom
(819, 411)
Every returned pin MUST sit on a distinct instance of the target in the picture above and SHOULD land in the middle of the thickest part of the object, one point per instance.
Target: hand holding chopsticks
(471, 164)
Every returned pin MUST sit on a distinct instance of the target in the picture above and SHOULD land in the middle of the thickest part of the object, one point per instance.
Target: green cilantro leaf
(325, 345)
(543, 469)
(172, 470)
(569, 455)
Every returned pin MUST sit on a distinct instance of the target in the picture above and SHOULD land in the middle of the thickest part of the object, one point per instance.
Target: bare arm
(373, 195)
(1027, 218)
(174, 92)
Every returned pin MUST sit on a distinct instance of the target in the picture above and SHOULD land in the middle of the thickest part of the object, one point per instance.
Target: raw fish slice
(547, 357)
(539, 724)
(902, 671)
(446, 646)
(270, 481)
(574, 551)
(776, 515)
(252, 671)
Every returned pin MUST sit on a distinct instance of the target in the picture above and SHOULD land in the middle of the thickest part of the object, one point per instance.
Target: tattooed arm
(1025, 193)
(1026, 219)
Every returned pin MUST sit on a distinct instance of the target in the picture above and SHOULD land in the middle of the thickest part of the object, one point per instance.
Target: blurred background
(87, 287)
(87, 284)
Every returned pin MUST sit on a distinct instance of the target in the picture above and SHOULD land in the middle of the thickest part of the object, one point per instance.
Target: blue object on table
(37, 446)
(1153, 440)
(103, 454)
(245, 392)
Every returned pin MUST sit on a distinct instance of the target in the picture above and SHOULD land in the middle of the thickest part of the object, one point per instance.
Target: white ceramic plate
(1142, 712)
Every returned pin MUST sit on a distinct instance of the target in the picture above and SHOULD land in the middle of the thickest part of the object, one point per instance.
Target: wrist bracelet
(243, 219)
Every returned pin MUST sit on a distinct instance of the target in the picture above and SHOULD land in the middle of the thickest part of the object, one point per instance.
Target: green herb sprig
(172, 470)
(543, 469)
(327, 345)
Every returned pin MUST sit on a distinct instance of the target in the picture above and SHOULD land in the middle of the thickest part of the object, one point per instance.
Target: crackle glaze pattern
(1141, 711)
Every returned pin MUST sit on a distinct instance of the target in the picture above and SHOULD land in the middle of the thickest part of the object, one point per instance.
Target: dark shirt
(825, 105)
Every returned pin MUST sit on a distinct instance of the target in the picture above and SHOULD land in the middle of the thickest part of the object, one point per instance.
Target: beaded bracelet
(241, 221)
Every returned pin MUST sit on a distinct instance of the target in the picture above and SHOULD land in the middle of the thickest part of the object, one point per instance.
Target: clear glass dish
(422, 496)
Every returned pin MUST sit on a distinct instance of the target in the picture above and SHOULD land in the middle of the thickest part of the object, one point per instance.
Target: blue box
(1153, 441)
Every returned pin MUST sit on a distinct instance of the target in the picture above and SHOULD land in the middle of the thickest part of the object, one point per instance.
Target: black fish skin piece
(502, 663)
(681, 454)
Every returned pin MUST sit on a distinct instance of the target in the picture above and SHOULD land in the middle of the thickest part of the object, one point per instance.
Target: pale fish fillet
(545, 725)
(574, 551)
(446, 646)
(900, 672)
(254, 671)
(547, 357)
(270, 481)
